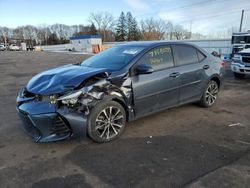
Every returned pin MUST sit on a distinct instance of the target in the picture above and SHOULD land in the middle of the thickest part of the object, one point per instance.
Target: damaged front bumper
(45, 122)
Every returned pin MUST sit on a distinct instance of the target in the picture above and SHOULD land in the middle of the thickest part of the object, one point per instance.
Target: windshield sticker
(131, 51)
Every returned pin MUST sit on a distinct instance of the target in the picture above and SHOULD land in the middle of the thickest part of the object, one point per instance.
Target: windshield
(114, 58)
(240, 39)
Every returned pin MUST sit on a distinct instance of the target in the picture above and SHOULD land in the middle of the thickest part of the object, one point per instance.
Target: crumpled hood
(61, 79)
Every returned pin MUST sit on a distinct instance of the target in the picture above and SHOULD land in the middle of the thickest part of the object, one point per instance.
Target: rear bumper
(240, 68)
(45, 123)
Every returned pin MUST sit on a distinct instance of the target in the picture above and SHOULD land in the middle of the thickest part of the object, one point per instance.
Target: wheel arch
(121, 101)
(217, 79)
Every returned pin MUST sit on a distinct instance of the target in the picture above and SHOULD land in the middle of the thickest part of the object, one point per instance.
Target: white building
(85, 42)
(222, 46)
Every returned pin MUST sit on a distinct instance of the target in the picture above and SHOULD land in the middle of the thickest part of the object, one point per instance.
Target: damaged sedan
(99, 95)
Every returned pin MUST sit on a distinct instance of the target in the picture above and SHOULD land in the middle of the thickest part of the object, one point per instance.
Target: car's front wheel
(106, 121)
(210, 94)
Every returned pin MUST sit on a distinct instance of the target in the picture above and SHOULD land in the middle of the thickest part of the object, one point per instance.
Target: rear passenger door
(192, 67)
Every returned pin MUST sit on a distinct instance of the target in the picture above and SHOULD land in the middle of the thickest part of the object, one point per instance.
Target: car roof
(153, 43)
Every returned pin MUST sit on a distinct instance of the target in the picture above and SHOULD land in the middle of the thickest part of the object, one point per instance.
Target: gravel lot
(187, 146)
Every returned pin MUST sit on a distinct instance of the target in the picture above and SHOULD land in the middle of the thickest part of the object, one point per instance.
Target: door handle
(206, 67)
(174, 75)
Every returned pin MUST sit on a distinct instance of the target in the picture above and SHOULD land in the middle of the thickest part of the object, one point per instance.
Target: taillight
(222, 63)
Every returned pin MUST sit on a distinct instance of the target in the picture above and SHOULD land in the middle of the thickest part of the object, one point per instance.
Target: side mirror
(144, 69)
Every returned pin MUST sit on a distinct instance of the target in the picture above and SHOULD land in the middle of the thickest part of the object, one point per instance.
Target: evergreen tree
(120, 34)
(132, 28)
(134, 32)
(92, 29)
(129, 23)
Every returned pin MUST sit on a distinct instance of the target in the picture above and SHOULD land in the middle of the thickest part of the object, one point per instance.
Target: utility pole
(190, 29)
(5, 41)
(241, 20)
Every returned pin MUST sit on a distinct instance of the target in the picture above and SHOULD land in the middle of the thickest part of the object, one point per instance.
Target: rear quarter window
(201, 56)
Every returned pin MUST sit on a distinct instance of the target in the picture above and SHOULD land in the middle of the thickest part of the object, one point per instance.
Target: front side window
(185, 54)
(159, 58)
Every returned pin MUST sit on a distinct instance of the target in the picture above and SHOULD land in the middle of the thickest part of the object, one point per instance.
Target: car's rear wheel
(238, 75)
(210, 94)
(106, 121)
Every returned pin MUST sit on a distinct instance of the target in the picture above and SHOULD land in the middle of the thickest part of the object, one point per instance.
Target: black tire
(238, 75)
(101, 126)
(210, 94)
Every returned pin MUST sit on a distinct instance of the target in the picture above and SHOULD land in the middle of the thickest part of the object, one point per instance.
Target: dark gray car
(98, 96)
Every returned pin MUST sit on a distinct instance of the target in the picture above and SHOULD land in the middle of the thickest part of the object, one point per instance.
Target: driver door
(157, 90)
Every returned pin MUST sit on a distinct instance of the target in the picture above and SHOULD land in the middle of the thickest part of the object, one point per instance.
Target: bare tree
(161, 28)
(18, 33)
(5, 34)
(5, 31)
(180, 33)
(29, 32)
(153, 29)
(43, 34)
(104, 23)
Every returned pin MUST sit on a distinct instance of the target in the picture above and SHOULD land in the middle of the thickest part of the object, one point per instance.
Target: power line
(206, 17)
(185, 6)
(213, 16)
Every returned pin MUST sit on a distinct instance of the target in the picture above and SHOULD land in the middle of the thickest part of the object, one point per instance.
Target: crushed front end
(45, 120)
(55, 104)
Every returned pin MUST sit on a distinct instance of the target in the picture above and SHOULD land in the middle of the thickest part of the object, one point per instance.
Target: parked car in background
(14, 47)
(120, 84)
(241, 63)
(2, 47)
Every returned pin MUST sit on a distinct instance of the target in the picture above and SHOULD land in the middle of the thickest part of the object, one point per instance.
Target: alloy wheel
(109, 122)
(211, 93)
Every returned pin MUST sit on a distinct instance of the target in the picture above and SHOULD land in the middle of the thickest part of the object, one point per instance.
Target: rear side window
(159, 58)
(185, 54)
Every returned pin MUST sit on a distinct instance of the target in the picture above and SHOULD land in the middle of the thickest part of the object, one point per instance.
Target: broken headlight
(71, 98)
(52, 99)
(46, 98)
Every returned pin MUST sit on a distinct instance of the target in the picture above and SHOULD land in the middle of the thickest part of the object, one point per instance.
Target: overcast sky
(206, 16)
